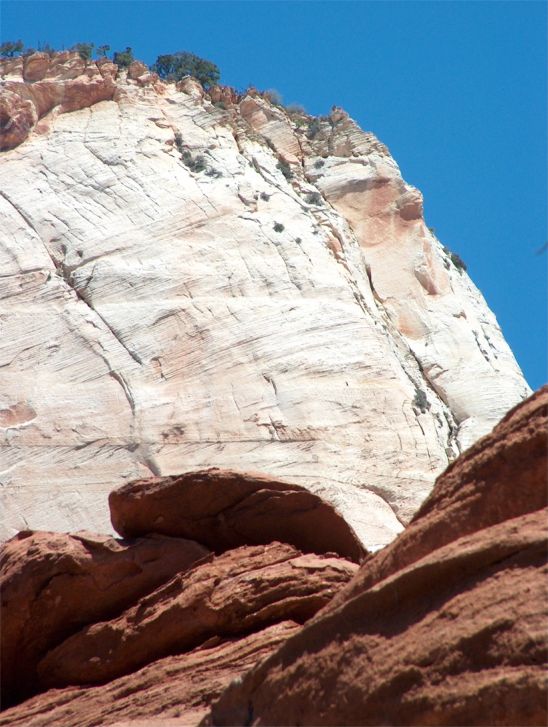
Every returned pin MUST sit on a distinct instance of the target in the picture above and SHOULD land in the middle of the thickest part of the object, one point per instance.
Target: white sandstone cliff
(155, 318)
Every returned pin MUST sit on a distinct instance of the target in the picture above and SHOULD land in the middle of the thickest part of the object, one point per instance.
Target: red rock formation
(242, 590)
(447, 626)
(225, 509)
(52, 584)
(40, 83)
(179, 688)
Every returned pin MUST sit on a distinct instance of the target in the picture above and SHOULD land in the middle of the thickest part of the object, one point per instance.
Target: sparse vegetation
(275, 97)
(295, 109)
(318, 164)
(179, 142)
(313, 129)
(123, 58)
(278, 227)
(11, 48)
(265, 197)
(196, 163)
(84, 50)
(314, 198)
(457, 261)
(298, 240)
(420, 401)
(174, 66)
(285, 169)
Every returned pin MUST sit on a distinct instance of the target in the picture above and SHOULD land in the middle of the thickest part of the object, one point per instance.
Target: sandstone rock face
(447, 626)
(503, 476)
(53, 584)
(279, 303)
(180, 688)
(242, 590)
(64, 83)
(224, 509)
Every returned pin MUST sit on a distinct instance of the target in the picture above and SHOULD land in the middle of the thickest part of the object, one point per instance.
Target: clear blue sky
(457, 90)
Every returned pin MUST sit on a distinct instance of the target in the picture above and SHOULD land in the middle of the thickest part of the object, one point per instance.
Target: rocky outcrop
(223, 284)
(63, 82)
(87, 609)
(447, 626)
(53, 584)
(225, 509)
(238, 592)
(179, 688)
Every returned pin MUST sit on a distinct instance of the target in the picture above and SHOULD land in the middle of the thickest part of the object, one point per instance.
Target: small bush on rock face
(278, 227)
(285, 169)
(318, 164)
(265, 197)
(457, 261)
(314, 198)
(212, 172)
(420, 401)
(313, 129)
(275, 97)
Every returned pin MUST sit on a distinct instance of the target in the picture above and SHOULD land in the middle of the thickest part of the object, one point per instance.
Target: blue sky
(457, 90)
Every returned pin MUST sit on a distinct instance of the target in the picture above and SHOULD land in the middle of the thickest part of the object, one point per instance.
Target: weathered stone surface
(504, 475)
(469, 651)
(242, 590)
(179, 688)
(156, 322)
(52, 584)
(447, 626)
(66, 83)
(136, 69)
(225, 509)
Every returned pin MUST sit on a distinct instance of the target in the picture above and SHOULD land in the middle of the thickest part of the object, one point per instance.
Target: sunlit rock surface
(285, 309)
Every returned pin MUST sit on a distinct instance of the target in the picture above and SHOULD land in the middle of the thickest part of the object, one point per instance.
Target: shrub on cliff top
(84, 50)
(11, 48)
(174, 66)
(123, 58)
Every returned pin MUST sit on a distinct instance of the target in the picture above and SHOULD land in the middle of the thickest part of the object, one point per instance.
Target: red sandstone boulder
(447, 625)
(176, 690)
(52, 584)
(240, 591)
(225, 509)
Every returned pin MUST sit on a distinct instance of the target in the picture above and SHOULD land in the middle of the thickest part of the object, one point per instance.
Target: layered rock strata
(53, 584)
(447, 625)
(193, 280)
